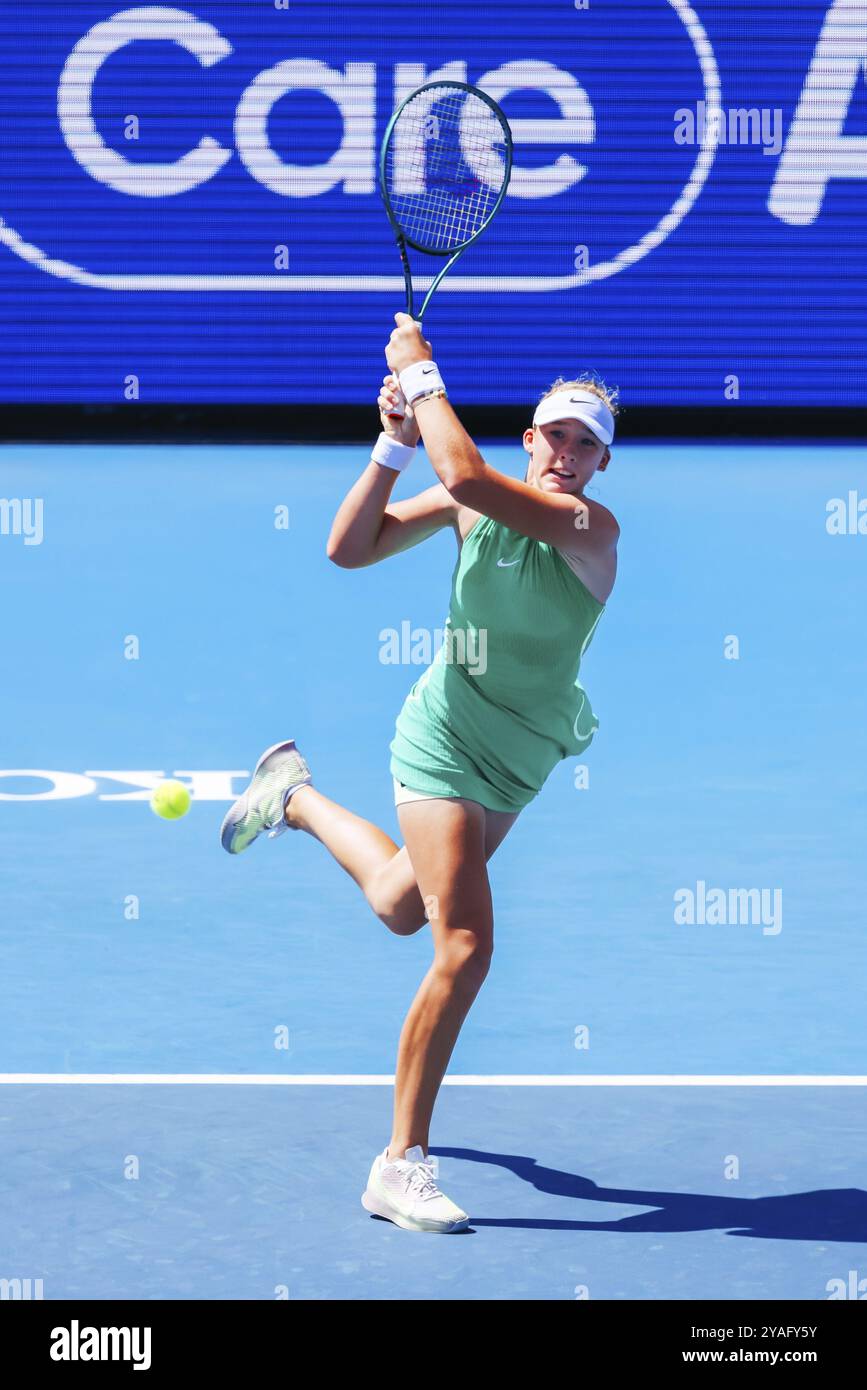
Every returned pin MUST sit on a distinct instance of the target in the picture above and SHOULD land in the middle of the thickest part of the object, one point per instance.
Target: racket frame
(403, 241)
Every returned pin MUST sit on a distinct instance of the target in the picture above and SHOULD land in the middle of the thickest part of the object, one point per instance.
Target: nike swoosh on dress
(505, 564)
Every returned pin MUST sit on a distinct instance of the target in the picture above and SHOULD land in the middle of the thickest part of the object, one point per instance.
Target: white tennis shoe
(403, 1191)
(280, 771)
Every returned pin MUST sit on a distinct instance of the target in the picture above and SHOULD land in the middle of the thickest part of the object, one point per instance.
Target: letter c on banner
(74, 96)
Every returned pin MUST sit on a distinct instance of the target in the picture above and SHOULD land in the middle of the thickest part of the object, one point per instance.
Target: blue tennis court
(685, 908)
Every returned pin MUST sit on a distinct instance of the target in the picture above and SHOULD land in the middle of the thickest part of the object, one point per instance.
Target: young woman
(479, 733)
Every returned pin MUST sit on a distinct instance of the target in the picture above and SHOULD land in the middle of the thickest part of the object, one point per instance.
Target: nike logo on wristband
(426, 371)
(505, 564)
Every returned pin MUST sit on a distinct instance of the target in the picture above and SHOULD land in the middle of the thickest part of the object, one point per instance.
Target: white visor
(577, 405)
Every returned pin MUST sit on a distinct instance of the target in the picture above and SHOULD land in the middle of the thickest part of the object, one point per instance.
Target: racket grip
(399, 411)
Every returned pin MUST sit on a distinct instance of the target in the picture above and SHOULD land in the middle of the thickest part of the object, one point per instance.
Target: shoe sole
(234, 815)
(372, 1203)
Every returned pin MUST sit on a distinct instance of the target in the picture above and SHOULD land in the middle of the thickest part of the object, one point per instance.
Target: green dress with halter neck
(501, 703)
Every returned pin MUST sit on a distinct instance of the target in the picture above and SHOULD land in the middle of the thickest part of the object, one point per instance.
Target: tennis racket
(444, 168)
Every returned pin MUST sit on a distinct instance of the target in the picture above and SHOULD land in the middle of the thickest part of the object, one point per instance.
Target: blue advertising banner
(189, 209)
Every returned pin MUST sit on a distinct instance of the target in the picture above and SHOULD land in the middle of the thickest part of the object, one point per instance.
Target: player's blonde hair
(590, 382)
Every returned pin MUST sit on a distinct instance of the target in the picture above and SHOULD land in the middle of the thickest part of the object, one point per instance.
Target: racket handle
(399, 413)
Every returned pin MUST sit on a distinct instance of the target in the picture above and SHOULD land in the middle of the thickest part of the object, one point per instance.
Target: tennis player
(484, 725)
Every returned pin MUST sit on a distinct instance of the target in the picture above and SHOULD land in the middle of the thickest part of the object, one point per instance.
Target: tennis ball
(171, 800)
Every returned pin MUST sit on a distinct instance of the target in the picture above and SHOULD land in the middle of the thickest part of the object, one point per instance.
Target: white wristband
(392, 454)
(420, 378)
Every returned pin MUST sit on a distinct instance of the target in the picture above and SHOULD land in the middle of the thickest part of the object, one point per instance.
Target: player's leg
(280, 796)
(383, 872)
(446, 844)
(379, 867)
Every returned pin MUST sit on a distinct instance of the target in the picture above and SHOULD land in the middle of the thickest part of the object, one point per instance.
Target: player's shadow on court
(834, 1214)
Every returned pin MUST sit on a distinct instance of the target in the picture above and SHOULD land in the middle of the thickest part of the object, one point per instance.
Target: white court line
(322, 1079)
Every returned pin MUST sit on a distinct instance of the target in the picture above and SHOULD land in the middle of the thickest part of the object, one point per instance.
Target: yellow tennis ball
(171, 800)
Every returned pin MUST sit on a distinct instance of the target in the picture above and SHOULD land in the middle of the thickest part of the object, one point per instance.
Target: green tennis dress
(501, 703)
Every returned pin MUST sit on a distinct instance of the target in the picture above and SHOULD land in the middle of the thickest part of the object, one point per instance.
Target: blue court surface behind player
(176, 615)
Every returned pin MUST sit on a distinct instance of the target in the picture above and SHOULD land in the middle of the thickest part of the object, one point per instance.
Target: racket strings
(445, 168)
